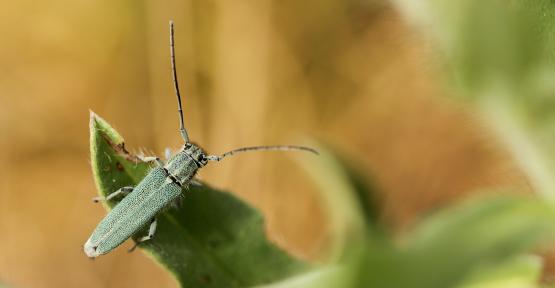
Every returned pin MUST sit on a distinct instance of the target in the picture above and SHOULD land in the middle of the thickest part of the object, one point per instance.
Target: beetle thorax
(184, 165)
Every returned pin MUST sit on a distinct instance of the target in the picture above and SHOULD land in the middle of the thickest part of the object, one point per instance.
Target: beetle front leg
(168, 153)
(149, 159)
(151, 232)
(123, 190)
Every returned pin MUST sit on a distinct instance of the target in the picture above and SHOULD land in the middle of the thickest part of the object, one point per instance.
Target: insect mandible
(161, 186)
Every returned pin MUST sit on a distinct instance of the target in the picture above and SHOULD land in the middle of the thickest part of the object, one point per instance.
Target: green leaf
(449, 246)
(212, 240)
(476, 244)
(522, 272)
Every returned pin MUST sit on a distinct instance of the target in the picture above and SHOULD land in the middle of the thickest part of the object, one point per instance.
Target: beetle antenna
(263, 148)
(182, 130)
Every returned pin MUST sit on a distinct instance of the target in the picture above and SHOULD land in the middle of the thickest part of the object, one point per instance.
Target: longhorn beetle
(162, 186)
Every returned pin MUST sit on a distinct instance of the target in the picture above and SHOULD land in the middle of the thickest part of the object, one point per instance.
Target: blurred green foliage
(501, 56)
(522, 271)
(478, 243)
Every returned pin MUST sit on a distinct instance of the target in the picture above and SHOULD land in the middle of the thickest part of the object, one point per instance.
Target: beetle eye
(201, 158)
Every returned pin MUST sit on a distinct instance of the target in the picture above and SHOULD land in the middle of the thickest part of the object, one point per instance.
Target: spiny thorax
(184, 165)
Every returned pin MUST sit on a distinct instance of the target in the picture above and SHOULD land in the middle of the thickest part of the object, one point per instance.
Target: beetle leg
(196, 183)
(176, 203)
(168, 153)
(123, 190)
(148, 159)
(151, 232)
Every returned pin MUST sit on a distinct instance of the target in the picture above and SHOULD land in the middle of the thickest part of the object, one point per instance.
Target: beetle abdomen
(135, 211)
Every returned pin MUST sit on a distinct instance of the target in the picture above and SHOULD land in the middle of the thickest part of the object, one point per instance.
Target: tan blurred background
(351, 73)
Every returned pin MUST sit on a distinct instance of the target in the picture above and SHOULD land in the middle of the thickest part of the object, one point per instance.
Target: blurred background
(352, 74)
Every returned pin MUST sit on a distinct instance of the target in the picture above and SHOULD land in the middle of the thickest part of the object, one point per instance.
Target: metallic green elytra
(162, 186)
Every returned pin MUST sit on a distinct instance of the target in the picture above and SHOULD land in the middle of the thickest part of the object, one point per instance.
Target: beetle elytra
(161, 186)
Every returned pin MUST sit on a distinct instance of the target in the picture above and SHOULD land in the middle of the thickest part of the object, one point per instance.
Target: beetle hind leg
(151, 232)
(195, 183)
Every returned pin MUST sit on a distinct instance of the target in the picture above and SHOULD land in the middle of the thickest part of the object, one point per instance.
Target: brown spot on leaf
(119, 166)
(121, 151)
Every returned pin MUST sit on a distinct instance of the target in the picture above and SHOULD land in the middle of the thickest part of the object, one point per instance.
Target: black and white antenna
(262, 148)
(182, 130)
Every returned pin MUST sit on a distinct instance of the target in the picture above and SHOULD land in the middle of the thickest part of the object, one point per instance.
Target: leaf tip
(93, 120)
(98, 125)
